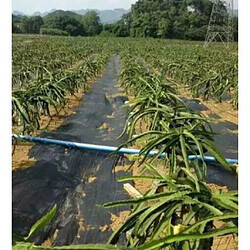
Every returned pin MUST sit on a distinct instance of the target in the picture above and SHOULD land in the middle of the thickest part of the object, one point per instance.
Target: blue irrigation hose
(109, 149)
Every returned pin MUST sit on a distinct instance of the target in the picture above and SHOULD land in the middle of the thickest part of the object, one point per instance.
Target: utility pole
(220, 27)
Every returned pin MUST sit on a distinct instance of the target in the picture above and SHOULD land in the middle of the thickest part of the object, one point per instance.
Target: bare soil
(117, 220)
(227, 242)
(20, 158)
(223, 109)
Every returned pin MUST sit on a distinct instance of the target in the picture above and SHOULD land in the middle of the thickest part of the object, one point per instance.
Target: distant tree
(37, 22)
(72, 30)
(25, 25)
(172, 19)
(91, 23)
(53, 32)
(66, 21)
(106, 33)
(15, 28)
(121, 29)
(16, 20)
(108, 27)
(31, 25)
(165, 28)
(235, 28)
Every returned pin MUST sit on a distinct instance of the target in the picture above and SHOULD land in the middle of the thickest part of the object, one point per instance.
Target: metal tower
(220, 27)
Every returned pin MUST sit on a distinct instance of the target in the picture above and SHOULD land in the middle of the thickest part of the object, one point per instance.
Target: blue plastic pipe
(109, 149)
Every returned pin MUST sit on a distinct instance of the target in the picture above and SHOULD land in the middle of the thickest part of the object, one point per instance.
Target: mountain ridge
(106, 16)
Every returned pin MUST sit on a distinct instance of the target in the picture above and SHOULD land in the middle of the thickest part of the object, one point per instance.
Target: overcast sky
(30, 6)
(236, 4)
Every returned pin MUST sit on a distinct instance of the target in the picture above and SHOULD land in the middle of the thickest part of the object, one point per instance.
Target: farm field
(172, 96)
(210, 74)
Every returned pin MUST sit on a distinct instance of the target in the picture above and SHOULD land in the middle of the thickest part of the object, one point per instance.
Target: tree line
(59, 23)
(177, 19)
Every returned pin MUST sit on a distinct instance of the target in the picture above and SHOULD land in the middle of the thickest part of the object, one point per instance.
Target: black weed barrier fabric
(226, 141)
(76, 180)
